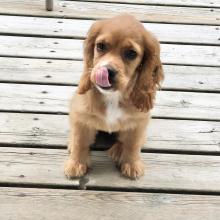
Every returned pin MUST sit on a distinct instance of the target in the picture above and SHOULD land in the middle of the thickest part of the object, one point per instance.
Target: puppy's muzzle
(105, 77)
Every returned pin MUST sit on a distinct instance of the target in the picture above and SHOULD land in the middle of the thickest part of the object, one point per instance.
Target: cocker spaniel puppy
(122, 71)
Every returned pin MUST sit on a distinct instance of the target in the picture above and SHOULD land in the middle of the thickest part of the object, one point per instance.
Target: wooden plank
(75, 28)
(45, 71)
(79, 9)
(192, 78)
(67, 72)
(184, 53)
(20, 203)
(40, 47)
(52, 131)
(189, 3)
(40, 98)
(55, 99)
(72, 49)
(163, 171)
(189, 105)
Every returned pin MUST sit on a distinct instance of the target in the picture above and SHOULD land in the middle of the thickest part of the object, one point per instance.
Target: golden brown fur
(136, 81)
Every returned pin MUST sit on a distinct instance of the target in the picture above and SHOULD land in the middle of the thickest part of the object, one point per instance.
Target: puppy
(122, 71)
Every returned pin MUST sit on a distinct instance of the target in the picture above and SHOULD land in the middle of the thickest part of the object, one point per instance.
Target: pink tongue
(101, 77)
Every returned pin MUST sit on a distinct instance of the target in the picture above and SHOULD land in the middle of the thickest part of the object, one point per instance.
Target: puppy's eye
(101, 47)
(130, 54)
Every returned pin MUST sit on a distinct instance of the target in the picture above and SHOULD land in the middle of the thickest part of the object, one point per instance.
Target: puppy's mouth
(103, 78)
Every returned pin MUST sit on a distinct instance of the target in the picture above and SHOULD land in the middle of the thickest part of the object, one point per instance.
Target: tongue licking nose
(102, 77)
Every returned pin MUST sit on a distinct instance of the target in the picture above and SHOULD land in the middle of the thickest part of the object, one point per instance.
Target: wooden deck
(40, 66)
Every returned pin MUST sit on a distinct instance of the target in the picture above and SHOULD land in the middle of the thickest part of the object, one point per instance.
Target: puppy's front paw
(133, 170)
(74, 169)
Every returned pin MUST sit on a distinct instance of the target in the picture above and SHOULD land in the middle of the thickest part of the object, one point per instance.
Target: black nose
(112, 73)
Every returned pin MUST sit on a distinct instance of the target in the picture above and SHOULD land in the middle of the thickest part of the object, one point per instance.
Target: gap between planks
(175, 3)
(80, 59)
(77, 187)
(66, 113)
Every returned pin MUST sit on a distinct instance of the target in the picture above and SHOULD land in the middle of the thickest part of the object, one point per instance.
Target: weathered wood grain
(68, 72)
(163, 171)
(79, 9)
(52, 131)
(77, 205)
(55, 99)
(75, 28)
(72, 49)
(189, 3)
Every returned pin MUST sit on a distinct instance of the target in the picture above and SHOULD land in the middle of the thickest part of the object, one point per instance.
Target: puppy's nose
(112, 73)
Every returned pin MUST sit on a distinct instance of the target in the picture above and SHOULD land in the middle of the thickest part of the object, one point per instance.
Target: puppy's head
(120, 55)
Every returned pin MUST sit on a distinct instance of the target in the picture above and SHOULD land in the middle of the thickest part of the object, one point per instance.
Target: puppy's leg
(126, 152)
(130, 161)
(81, 137)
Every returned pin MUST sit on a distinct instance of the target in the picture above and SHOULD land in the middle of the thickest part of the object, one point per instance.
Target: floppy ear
(149, 75)
(88, 53)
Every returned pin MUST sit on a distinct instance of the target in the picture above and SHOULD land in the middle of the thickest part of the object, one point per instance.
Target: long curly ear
(149, 75)
(88, 53)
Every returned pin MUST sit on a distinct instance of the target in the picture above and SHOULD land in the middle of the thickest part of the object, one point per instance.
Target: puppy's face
(120, 55)
(118, 52)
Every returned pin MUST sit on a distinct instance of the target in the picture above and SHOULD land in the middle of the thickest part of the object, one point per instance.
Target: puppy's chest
(113, 112)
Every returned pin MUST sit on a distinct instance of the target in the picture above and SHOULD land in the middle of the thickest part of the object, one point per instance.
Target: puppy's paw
(115, 152)
(133, 170)
(75, 169)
